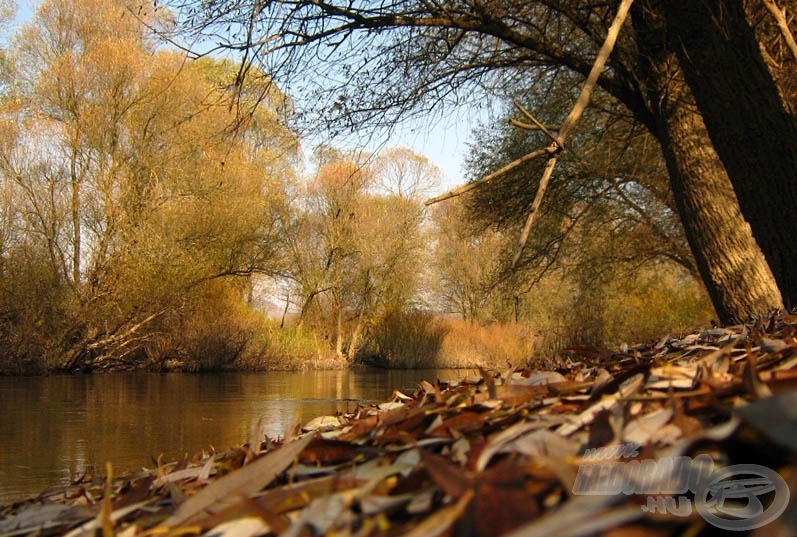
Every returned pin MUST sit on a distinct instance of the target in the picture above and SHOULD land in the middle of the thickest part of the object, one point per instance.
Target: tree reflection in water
(54, 429)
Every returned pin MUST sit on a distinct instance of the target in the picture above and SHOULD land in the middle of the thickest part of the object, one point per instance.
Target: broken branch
(470, 186)
(573, 117)
(537, 124)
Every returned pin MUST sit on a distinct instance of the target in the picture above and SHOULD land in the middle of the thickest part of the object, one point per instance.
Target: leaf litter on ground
(488, 456)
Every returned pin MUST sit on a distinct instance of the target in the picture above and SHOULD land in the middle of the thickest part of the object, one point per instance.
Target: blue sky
(443, 140)
(444, 144)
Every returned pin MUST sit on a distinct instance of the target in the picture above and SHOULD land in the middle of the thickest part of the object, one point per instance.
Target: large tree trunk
(750, 127)
(728, 258)
(730, 262)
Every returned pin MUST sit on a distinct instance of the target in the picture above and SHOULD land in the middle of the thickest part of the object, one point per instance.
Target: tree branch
(783, 24)
(558, 141)
(538, 125)
(487, 178)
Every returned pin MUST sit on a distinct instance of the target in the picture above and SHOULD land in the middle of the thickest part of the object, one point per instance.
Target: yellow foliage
(139, 178)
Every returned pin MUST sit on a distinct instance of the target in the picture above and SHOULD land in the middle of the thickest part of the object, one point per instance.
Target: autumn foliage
(155, 213)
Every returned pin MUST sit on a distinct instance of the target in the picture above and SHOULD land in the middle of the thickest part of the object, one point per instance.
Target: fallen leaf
(579, 517)
(640, 430)
(241, 527)
(775, 417)
(451, 480)
(541, 378)
(441, 520)
(322, 423)
(242, 482)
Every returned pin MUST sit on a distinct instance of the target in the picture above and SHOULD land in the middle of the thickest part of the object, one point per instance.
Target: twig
(783, 24)
(531, 127)
(537, 124)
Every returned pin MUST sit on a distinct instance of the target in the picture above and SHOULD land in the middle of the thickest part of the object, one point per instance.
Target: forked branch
(558, 141)
(783, 24)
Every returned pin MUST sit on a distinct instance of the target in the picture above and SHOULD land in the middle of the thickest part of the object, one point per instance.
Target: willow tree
(134, 186)
(355, 244)
(749, 123)
(375, 63)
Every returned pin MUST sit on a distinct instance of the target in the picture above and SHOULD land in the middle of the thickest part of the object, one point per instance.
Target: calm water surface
(53, 429)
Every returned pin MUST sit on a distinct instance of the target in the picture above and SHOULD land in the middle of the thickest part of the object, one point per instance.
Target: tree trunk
(750, 127)
(339, 343)
(728, 258)
(357, 335)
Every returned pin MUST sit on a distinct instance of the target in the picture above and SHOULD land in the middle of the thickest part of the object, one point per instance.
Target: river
(54, 429)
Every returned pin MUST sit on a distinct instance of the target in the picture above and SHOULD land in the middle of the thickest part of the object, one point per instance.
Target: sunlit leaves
(142, 174)
(356, 248)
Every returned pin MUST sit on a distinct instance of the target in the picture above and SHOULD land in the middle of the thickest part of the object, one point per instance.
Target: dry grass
(423, 340)
(467, 344)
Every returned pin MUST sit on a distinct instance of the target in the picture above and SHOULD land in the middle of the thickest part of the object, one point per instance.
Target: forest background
(157, 212)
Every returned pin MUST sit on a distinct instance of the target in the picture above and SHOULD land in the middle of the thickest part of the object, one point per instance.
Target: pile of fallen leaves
(496, 455)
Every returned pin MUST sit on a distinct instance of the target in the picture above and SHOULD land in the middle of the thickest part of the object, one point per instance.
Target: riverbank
(508, 453)
(409, 341)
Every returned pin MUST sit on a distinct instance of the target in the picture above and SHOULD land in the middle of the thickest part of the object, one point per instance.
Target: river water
(54, 429)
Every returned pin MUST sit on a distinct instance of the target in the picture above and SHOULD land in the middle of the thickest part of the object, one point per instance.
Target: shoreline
(488, 457)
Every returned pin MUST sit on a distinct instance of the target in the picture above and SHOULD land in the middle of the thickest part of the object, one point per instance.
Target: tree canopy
(157, 209)
(374, 63)
(127, 185)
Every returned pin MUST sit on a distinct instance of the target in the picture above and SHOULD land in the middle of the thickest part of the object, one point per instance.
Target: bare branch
(509, 167)
(529, 127)
(572, 118)
(558, 141)
(783, 24)
(603, 55)
(535, 206)
(537, 124)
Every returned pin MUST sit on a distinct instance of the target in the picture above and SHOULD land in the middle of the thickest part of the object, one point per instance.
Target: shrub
(494, 345)
(418, 339)
(401, 339)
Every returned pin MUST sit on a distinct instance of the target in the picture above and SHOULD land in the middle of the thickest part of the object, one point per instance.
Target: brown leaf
(326, 452)
(463, 422)
(601, 432)
(518, 394)
(582, 515)
(504, 499)
(441, 520)
(245, 481)
(451, 480)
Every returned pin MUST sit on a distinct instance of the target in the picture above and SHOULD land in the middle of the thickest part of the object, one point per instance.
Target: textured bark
(750, 127)
(736, 275)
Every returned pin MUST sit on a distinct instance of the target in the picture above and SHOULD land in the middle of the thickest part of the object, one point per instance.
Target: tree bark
(339, 330)
(735, 272)
(748, 123)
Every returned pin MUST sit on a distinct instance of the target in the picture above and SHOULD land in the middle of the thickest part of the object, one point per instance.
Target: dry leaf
(242, 482)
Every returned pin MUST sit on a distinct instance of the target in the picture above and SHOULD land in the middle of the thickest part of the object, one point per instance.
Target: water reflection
(53, 429)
